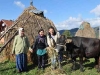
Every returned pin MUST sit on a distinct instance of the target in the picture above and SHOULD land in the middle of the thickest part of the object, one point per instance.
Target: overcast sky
(66, 14)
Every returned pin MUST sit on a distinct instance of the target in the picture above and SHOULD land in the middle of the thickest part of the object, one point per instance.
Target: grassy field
(8, 68)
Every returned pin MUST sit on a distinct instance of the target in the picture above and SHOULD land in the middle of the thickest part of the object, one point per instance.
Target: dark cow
(84, 47)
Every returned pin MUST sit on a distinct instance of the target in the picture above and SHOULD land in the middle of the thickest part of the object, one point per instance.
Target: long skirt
(21, 62)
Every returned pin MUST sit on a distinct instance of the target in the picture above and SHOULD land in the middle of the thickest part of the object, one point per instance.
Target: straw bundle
(86, 30)
(31, 22)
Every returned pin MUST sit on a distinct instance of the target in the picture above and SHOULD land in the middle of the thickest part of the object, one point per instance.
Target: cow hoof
(60, 68)
(81, 70)
(96, 66)
(73, 68)
(98, 70)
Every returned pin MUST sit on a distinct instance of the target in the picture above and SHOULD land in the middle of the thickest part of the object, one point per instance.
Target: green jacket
(20, 45)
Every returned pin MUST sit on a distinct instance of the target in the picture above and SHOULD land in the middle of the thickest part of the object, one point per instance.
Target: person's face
(51, 31)
(22, 33)
(41, 33)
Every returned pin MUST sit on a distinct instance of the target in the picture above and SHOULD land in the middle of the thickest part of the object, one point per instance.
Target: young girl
(40, 44)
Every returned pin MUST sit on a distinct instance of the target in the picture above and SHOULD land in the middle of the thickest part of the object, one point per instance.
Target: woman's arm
(46, 42)
(14, 45)
(35, 44)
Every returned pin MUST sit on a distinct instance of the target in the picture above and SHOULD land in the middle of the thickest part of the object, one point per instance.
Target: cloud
(19, 4)
(73, 22)
(70, 23)
(96, 11)
(45, 11)
(94, 22)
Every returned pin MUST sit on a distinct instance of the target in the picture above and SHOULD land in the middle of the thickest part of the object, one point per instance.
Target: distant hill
(74, 30)
(61, 31)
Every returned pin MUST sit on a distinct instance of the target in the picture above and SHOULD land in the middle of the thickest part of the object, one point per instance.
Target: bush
(67, 33)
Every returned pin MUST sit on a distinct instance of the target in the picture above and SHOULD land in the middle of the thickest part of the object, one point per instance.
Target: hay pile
(31, 22)
(86, 30)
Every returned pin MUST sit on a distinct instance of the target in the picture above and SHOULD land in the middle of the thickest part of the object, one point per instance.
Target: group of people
(43, 44)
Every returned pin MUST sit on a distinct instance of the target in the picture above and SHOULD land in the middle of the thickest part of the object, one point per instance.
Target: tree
(67, 33)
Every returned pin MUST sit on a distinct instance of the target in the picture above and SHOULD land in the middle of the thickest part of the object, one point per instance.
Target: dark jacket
(40, 45)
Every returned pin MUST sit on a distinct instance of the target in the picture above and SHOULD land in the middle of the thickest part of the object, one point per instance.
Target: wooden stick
(1, 49)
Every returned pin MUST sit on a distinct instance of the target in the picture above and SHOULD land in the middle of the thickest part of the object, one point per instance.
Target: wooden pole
(7, 30)
(1, 49)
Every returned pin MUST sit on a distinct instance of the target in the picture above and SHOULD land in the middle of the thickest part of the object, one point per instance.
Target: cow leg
(99, 64)
(60, 59)
(58, 62)
(73, 63)
(81, 63)
(96, 62)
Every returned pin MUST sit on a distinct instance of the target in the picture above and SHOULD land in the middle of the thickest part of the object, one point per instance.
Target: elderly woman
(20, 48)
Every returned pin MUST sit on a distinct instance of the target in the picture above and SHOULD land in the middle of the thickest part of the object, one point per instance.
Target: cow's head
(60, 43)
(71, 49)
(62, 40)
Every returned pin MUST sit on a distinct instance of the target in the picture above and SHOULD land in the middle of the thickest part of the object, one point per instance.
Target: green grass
(8, 68)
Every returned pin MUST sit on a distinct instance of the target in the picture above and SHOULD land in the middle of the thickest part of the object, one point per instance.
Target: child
(40, 44)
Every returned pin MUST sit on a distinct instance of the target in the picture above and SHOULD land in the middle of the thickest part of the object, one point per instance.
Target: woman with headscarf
(20, 48)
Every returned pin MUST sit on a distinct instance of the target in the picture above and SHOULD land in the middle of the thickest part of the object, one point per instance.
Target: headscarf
(20, 30)
(41, 39)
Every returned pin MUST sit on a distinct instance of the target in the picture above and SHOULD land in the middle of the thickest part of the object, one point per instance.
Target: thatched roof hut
(85, 30)
(31, 20)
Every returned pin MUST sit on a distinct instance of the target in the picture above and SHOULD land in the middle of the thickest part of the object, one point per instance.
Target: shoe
(39, 68)
(43, 68)
(25, 70)
(53, 68)
(18, 71)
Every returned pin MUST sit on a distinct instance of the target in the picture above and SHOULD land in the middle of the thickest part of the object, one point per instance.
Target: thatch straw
(86, 31)
(31, 26)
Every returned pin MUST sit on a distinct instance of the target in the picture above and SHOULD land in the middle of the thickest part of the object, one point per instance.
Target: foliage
(67, 33)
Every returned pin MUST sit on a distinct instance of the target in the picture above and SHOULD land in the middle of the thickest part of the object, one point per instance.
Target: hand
(31, 51)
(47, 48)
(13, 54)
